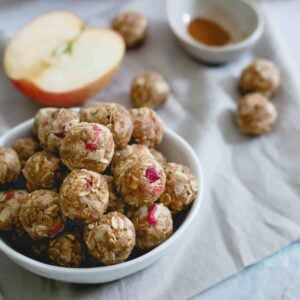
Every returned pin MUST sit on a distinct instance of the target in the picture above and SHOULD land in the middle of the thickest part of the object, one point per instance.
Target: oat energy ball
(181, 187)
(52, 132)
(115, 203)
(256, 114)
(41, 171)
(148, 128)
(160, 158)
(260, 76)
(40, 215)
(87, 146)
(149, 90)
(132, 26)
(10, 166)
(10, 203)
(41, 119)
(25, 147)
(84, 196)
(112, 115)
(66, 251)
(153, 225)
(139, 178)
(111, 239)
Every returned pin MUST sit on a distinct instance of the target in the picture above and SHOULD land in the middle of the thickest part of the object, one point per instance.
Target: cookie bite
(10, 204)
(181, 187)
(132, 26)
(111, 239)
(153, 224)
(260, 76)
(149, 90)
(112, 115)
(139, 178)
(53, 130)
(148, 128)
(10, 165)
(25, 147)
(256, 114)
(66, 250)
(40, 215)
(84, 196)
(87, 146)
(41, 171)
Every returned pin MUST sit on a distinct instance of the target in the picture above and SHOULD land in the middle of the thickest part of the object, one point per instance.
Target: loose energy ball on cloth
(10, 203)
(115, 203)
(41, 171)
(181, 187)
(112, 115)
(53, 132)
(149, 90)
(25, 147)
(148, 128)
(84, 196)
(87, 146)
(40, 215)
(153, 225)
(111, 239)
(66, 251)
(10, 166)
(256, 114)
(41, 118)
(132, 26)
(160, 158)
(260, 76)
(139, 178)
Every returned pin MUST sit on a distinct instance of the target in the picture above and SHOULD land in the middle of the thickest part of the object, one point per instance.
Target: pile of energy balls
(91, 185)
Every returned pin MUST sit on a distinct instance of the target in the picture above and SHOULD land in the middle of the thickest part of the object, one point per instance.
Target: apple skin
(65, 99)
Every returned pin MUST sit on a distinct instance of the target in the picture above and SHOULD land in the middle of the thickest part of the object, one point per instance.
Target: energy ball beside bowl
(111, 239)
(256, 114)
(87, 146)
(132, 26)
(260, 76)
(112, 115)
(149, 90)
(84, 196)
(10, 166)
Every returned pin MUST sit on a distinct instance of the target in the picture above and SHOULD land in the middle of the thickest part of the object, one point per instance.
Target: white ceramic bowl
(177, 150)
(241, 18)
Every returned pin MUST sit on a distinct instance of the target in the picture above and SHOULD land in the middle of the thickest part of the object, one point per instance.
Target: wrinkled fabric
(251, 205)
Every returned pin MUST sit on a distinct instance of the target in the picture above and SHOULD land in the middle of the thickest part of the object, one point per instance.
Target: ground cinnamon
(208, 32)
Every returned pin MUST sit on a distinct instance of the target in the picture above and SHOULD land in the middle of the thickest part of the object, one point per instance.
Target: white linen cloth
(251, 205)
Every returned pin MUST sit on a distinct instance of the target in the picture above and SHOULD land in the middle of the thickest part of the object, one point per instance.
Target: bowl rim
(255, 35)
(12, 253)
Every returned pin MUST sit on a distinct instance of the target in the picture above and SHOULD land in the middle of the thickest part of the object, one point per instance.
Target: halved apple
(57, 60)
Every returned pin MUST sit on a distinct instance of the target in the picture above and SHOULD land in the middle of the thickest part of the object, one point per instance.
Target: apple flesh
(58, 61)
